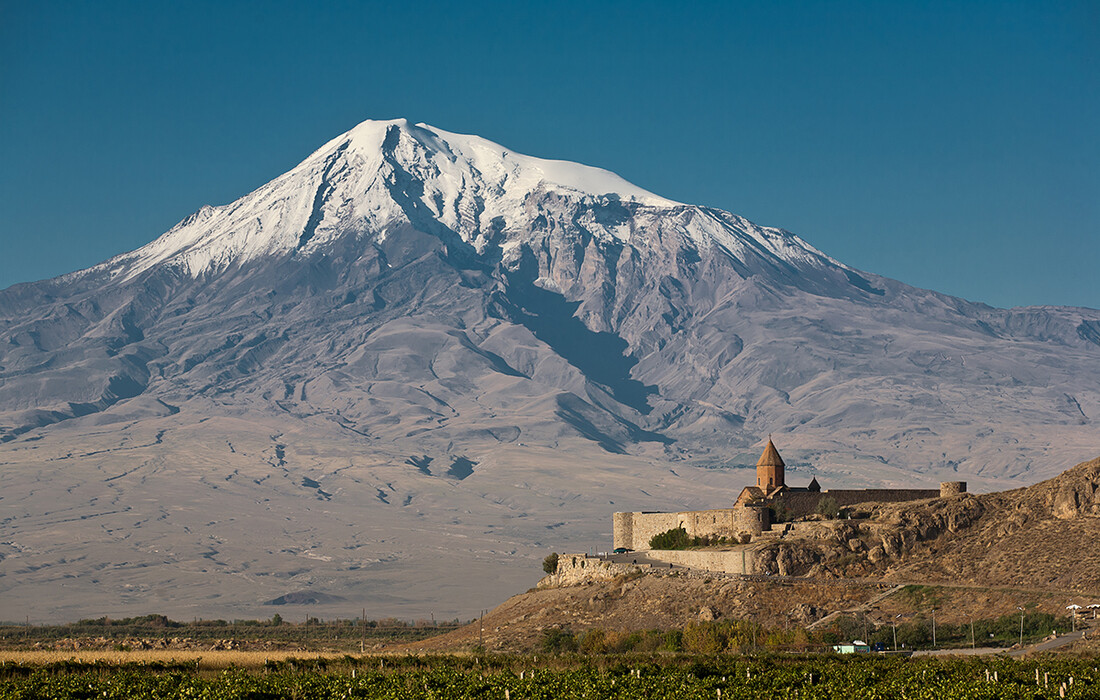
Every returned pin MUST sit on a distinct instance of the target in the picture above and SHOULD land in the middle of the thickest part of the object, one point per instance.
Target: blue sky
(954, 146)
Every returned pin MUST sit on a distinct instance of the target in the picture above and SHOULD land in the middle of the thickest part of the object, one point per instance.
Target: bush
(780, 513)
(550, 563)
(673, 640)
(671, 539)
(828, 507)
(702, 638)
(557, 641)
(594, 641)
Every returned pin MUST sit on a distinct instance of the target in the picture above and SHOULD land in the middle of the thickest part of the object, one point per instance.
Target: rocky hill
(1039, 537)
(969, 556)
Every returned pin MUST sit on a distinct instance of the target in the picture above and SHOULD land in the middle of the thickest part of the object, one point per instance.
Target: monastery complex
(757, 506)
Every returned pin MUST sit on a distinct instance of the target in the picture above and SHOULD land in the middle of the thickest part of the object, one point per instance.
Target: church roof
(753, 493)
(771, 457)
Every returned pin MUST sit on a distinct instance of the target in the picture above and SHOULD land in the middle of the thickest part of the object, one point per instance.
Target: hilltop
(1041, 536)
(969, 556)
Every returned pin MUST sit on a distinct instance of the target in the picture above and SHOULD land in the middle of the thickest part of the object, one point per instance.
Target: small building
(857, 647)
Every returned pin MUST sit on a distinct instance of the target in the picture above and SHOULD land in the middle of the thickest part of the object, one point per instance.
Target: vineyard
(160, 632)
(552, 678)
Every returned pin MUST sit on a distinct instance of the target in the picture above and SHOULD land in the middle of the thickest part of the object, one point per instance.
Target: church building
(770, 499)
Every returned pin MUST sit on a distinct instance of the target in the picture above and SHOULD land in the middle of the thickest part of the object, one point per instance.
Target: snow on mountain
(418, 350)
(361, 181)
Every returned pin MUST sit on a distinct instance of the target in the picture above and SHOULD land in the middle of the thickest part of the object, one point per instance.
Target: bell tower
(769, 469)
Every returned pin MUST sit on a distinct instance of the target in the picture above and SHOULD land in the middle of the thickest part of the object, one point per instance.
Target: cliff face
(1040, 536)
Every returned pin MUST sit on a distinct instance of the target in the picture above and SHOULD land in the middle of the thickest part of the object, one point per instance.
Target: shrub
(671, 539)
(780, 513)
(557, 641)
(828, 507)
(673, 640)
(550, 563)
(702, 638)
(594, 641)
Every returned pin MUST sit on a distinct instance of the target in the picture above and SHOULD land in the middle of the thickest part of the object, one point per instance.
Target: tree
(556, 641)
(550, 563)
(676, 538)
(828, 507)
(276, 620)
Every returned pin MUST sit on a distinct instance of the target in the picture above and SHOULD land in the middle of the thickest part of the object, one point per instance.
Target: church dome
(771, 457)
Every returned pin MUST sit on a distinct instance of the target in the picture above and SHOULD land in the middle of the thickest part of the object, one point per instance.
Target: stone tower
(769, 469)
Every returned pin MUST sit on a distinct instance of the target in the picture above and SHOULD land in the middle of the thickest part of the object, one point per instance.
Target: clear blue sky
(950, 145)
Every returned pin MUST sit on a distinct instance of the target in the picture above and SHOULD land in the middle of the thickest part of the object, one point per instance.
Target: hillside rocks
(1076, 494)
(1018, 537)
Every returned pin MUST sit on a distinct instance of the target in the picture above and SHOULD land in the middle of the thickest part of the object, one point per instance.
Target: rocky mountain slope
(1039, 537)
(418, 352)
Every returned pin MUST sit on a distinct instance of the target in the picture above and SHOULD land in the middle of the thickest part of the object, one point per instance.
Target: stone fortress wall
(736, 560)
(952, 488)
(634, 530)
(576, 569)
(581, 569)
(797, 504)
(752, 514)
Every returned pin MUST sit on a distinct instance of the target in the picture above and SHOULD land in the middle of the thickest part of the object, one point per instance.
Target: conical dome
(771, 457)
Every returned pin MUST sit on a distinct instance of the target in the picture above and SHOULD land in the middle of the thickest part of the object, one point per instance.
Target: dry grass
(203, 660)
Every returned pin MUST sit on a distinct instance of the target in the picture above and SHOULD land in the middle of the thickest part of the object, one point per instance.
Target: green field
(552, 678)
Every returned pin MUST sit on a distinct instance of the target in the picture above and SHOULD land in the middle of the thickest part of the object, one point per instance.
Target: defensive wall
(738, 560)
(634, 530)
(575, 569)
(796, 504)
(579, 569)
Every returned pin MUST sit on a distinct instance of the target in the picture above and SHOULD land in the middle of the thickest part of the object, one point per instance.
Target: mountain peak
(506, 170)
(366, 179)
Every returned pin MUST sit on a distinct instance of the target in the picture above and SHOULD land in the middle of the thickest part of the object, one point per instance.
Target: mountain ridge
(367, 326)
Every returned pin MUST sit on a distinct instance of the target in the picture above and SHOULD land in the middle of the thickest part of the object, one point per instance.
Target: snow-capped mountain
(418, 350)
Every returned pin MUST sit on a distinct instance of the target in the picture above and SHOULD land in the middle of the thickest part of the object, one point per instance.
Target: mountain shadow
(600, 356)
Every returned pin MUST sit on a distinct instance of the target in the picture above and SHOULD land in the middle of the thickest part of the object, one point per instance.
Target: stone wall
(952, 488)
(733, 561)
(634, 530)
(797, 504)
(575, 569)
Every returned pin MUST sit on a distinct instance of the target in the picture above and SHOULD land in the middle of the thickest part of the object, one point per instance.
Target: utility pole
(971, 632)
(1021, 626)
(933, 628)
(896, 632)
(481, 632)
